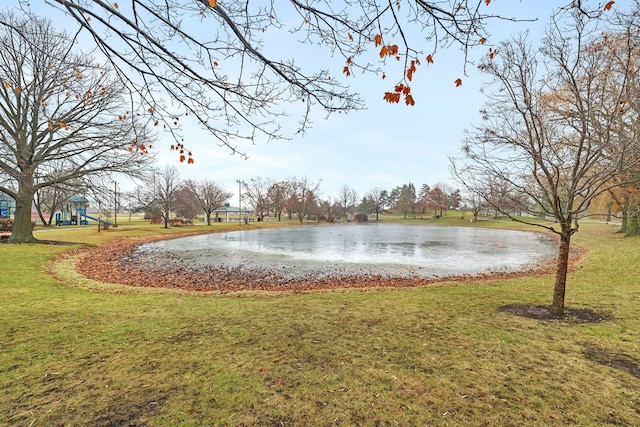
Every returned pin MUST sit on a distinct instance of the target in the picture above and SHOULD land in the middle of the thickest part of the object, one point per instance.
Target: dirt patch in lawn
(542, 312)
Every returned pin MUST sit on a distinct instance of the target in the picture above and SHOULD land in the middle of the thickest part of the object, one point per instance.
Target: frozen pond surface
(344, 249)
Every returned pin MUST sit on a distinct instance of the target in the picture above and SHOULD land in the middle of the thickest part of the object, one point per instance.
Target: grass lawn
(444, 355)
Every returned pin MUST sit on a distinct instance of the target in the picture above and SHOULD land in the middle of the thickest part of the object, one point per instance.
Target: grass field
(444, 355)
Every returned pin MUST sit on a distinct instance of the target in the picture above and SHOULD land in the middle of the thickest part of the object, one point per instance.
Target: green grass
(441, 355)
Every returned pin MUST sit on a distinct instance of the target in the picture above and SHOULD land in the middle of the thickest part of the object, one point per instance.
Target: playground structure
(74, 212)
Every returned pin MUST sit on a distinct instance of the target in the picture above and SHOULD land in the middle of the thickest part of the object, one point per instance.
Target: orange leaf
(409, 100)
(350, 36)
(182, 158)
(429, 59)
(190, 161)
(383, 51)
(346, 71)
(392, 97)
(608, 5)
(213, 3)
(378, 39)
(115, 5)
(458, 82)
(487, 2)
(482, 40)
(411, 70)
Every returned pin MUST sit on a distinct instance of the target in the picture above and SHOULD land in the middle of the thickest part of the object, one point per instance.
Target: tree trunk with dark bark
(22, 229)
(562, 267)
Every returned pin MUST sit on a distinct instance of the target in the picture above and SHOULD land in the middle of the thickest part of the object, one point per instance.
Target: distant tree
(187, 204)
(552, 132)
(404, 198)
(454, 198)
(475, 203)
(347, 197)
(379, 200)
(422, 197)
(256, 194)
(52, 199)
(166, 186)
(278, 196)
(140, 199)
(61, 117)
(209, 196)
(303, 197)
(436, 200)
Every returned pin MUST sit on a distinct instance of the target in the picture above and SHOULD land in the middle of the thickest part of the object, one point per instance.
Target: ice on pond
(373, 248)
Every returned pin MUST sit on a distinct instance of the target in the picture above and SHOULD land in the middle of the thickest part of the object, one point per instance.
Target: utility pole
(240, 216)
(115, 204)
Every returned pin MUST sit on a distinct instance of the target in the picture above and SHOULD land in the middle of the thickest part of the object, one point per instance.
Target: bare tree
(139, 199)
(303, 197)
(379, 200)
(209, 194)
(347, 197)
(187, 205)
(230, 80)
(61, 117)
(48, 200)
(278, 196)
(256, 193)
(167, 182)
(551, 131)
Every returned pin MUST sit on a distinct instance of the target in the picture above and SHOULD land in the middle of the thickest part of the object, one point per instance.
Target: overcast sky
(386, 145)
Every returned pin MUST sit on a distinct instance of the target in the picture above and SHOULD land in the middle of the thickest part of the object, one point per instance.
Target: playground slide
(92, 218)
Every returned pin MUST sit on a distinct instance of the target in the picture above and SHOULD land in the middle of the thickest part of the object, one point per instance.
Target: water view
(385, 249)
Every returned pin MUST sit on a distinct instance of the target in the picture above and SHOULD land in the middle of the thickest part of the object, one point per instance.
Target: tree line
(166, 194)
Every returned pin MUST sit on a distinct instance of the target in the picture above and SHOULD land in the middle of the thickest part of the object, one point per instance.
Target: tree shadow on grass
(5, 239)
(614, 360)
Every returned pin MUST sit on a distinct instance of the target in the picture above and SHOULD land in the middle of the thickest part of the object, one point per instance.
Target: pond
(392, 250)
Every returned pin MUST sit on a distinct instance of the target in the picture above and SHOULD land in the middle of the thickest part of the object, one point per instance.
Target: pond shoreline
(117, 262)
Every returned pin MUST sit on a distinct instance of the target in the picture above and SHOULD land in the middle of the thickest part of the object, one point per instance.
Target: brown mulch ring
(541, 312)
(119, 262)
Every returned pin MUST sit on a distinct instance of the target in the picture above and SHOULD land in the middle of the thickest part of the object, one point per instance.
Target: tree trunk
(22, 229)
(633, 224)
(625, 215)
(562, 268)
(209, 217)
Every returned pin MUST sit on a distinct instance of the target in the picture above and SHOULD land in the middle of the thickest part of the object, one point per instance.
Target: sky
(385, 145)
